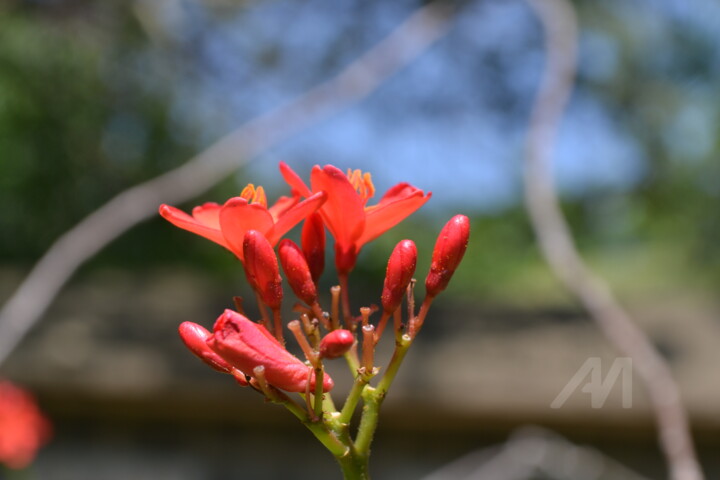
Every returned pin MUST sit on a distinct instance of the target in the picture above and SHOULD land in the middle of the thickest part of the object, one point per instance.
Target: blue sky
(454, 121)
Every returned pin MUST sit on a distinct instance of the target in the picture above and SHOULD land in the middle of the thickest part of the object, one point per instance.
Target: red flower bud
(313, 244)
(246, 345)
(195, 339)
(336, 343)
(449, 250)
(297, 271)
(400, 269)
(261, 268)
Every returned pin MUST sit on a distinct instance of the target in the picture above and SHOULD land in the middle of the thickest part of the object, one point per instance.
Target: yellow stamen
(254, 195)
(260, 197)
(362, 183)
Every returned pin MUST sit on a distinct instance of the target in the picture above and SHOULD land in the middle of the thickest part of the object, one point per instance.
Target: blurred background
(96, 97)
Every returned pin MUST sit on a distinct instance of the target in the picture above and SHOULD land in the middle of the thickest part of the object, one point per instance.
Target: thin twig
(72, 249)
(556, 242)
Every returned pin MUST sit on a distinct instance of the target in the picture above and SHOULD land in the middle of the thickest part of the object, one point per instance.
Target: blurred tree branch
(358, 80)
(559, 23)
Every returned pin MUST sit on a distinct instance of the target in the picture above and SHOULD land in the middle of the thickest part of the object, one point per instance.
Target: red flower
(350, 221)
(23, 428)
(246, 345)
(226, 225)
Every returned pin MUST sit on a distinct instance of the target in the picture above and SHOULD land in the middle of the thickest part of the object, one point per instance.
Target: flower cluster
(254, 353)
(23, 428)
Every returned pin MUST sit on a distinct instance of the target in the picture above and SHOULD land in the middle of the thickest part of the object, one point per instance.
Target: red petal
(294, 180)
(295, 215)
(208, 214)
(282, 205)
(195, 338)
(396, 205)
(186, 222)
(237, 217)
(344, 213)
(397, 192)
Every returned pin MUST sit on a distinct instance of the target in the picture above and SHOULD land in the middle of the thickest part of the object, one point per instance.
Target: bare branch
(355, 82)
(556, 242)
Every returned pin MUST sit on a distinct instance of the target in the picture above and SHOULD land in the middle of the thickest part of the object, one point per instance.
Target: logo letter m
(598, 388)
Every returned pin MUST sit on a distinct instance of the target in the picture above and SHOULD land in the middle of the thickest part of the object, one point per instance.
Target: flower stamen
(362, 183)
(254, 194)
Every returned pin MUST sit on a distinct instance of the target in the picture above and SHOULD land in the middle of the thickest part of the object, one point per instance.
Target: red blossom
(351, 222)
(400, 269)
(23, 427)
(246, 345)
(226, 225)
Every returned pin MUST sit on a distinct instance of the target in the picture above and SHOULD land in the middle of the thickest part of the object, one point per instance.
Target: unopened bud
(195, 338)
(261, 268)
(336, 343)
(449, 250)
(400, 269)
(297, 271)
(313, 245)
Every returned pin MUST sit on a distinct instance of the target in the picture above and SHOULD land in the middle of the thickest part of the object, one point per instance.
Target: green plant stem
(352, 399)
(351, 357)
(320, 429)
(368, 421)
(401, 348)
(373, 398)
(354, 467)
(328, 404)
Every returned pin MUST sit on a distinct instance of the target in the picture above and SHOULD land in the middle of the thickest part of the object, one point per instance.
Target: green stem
(328, 404)
(373, 398)
(401, 349)
(352, 400)
(368, 421)
(351, 357)
(354, 467)
(319, 429)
